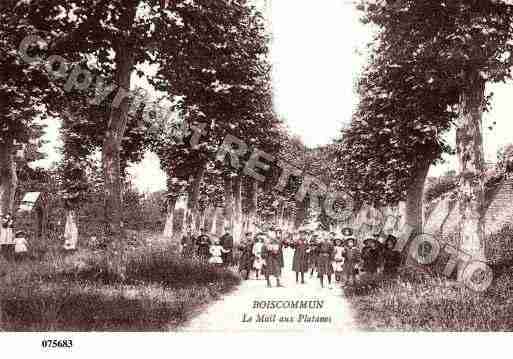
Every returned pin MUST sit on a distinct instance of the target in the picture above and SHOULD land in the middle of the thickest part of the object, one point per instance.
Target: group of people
(326, 254)
(214, 250)
(319, 252)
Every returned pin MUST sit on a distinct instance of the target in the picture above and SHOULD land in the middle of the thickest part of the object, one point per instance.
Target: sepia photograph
(185, 167)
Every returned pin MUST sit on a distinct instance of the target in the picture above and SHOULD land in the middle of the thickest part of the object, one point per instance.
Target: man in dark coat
(203, 245)
(227, 244)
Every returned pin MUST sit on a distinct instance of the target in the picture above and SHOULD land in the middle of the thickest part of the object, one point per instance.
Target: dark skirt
(324, 266)
(300, 260)
(273, 266)
(246, 261)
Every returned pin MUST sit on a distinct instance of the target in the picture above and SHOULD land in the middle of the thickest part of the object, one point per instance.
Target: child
(216, 253)
(246, 258)
(20, 246)
(351, 256)
(338, 259)
(300, 259)
(325, 255)
(259, 261)
(313, 253)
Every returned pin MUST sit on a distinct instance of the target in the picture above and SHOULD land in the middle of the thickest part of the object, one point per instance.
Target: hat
(391, 238)
(346, 231)
(369, 240)
(351, 238)
(20, 233)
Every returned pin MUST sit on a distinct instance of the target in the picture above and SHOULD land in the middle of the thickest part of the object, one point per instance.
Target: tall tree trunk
(228, 201)
(183, 228)
(283, 206)
(170, 216)
(215, 217)
(112, 144)
(414, 194)
(469, 147)
(253, 205)
(237, 208)
(8, 177)
(192, 203)
(300, 213)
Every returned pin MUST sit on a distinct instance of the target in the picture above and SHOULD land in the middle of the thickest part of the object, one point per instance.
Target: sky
(317, 55)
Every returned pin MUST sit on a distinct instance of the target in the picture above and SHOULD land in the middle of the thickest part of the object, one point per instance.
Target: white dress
(338, 259)
(20, 245)
(216, 252)
(259, 262)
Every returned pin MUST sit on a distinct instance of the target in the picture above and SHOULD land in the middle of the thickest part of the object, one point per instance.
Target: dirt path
(232, 313)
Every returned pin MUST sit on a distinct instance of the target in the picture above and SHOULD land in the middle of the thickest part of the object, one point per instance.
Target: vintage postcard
(255, 166)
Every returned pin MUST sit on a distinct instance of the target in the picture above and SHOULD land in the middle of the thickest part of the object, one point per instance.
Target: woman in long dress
(300, 259)
(273, 261)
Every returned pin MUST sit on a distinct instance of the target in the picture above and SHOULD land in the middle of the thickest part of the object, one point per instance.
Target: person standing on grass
(227, 243)
(300, 259)
(338, 259)
(216, 253)
(246, 257)
(203, 246)
(259, 261)
(188, 244)
(370, 256)
(20, 246)
(271, 255)
(352, 257)
(7, 236)
(391, 257)
(325, 256)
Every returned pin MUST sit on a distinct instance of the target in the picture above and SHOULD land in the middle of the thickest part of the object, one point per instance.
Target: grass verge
(416, 301)
(132, 289)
